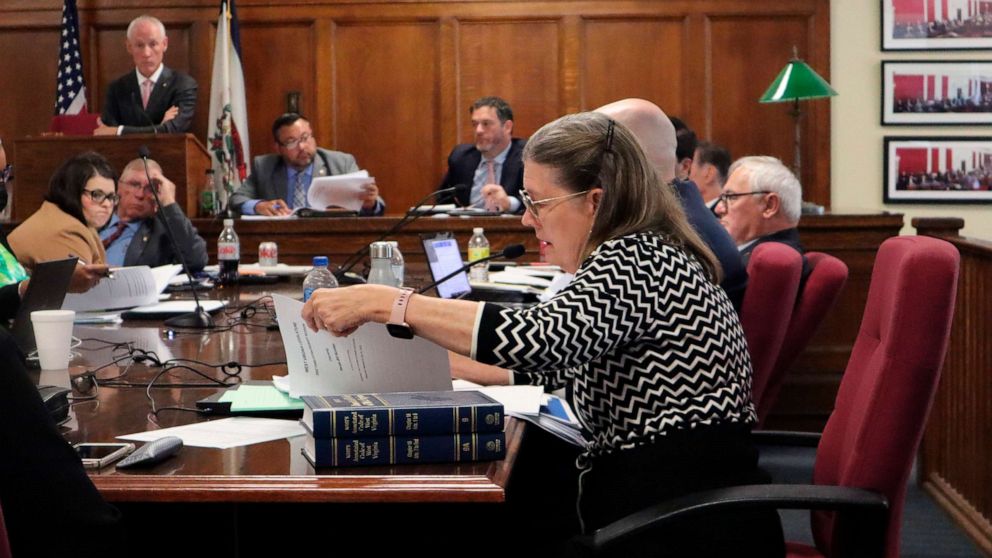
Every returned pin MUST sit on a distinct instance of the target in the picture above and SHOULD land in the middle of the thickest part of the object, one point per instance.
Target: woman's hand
(343, 310)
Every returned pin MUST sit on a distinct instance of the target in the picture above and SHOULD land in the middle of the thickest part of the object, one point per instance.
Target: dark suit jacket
(123, 104)
(717, 238)
(268, 177)
(465, 158)
(50, 506)
(150, 245)
(789, 237)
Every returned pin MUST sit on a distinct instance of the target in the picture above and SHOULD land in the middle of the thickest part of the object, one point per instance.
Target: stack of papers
(557, 417)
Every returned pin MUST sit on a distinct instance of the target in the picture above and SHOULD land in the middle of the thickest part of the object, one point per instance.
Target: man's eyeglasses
(293, 143)
(726, 198)
(98, 196)
(534, 206)
(135, 185)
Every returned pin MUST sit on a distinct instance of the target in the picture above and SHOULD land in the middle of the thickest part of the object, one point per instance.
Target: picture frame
(938, 170)
(923, 25)
(936, 93)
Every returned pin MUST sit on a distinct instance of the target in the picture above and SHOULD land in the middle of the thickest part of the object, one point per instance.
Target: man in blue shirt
(279, 182)
(135, 234)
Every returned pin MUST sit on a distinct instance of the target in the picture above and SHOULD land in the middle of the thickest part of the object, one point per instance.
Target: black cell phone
(96, 456)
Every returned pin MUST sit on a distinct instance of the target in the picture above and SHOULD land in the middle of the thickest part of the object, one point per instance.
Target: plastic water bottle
(478, 248)
(382, 265)
(318, 278)
(397, 263)
(228, 254)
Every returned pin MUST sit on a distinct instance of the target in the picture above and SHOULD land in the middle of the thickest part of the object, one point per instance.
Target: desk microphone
(511, 252)
(141, 109)
(414, 213)
(198, 318)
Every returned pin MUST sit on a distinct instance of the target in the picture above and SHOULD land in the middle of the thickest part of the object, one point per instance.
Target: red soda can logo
(268, 254)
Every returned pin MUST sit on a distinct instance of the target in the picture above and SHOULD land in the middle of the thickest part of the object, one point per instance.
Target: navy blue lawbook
(401, 414)
(398, 450)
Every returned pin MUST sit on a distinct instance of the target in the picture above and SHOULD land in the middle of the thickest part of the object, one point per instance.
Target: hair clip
(609, 136)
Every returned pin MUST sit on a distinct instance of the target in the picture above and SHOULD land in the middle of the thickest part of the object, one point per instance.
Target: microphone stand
(511, 252)
(341, 273)
(198, 318)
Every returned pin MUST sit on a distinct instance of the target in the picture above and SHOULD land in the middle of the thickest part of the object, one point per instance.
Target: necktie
(146, 92)
(121, 225)
(299, 192)
(490, 171)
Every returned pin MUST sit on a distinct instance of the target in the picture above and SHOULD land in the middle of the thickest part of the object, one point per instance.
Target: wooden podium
(183, 158)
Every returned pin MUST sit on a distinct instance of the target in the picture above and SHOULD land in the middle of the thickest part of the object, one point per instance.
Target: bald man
(656, 134)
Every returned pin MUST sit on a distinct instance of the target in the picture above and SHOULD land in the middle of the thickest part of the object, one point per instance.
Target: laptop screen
(46, 291)
(444, 257)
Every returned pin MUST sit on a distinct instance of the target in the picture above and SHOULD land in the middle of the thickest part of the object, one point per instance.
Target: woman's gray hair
(768, 174)
(590, 150)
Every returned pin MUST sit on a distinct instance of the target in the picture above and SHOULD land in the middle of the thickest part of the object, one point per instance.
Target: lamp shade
(797, 81)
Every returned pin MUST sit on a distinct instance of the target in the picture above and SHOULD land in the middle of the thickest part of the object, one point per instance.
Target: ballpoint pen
(80, 261)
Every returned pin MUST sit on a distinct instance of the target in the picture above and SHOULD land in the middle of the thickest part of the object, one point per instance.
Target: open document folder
(126, 288)
(367, 361)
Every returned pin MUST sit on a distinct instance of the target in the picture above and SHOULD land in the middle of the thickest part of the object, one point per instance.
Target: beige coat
(53, 234)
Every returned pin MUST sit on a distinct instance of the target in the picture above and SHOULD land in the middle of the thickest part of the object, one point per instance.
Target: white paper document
(342, 190)
(368, 361)
(225, 433)
(128, 287)
(515, 399)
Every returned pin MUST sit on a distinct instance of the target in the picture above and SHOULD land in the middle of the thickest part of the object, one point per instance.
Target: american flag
(70, 93)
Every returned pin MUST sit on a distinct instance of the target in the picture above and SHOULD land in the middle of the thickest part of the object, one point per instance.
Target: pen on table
(80, 261)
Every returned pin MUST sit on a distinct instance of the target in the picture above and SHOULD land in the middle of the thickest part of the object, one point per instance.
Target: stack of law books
(398, 428)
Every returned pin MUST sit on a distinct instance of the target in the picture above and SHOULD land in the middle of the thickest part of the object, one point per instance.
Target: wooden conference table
(249, 493)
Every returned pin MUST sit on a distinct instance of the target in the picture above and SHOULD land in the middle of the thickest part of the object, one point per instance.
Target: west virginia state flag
(227, 135)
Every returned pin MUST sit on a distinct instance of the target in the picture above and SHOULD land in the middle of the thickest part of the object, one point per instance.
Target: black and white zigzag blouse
(648, 343)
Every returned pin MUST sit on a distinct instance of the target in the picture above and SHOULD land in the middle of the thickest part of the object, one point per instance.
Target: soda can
(268, 254)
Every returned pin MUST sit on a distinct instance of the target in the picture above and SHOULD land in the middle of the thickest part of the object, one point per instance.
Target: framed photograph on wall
(936, 25)
(944, 93)
(938, 169)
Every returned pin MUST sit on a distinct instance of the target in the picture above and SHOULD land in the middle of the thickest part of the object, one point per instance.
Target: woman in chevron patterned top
(644, 337)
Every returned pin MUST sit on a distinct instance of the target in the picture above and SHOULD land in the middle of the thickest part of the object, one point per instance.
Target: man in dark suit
(761, 202)
(492, 166)
(136, 235)
(152, 98)
(656, 134)
(709, 169)
(279, 182)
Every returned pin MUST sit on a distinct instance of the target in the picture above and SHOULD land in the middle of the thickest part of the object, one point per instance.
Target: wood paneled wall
(957, 446)
(390, 82)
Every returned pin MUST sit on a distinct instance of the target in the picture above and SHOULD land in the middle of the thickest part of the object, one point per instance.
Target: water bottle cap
(228, 222)
(320, 261)
(477, 230)
(381, 250)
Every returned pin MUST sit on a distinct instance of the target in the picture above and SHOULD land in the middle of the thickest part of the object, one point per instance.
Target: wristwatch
(397, 325)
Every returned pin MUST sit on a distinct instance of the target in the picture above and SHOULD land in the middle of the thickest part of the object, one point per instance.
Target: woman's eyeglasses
(534, 206)
(98, 196)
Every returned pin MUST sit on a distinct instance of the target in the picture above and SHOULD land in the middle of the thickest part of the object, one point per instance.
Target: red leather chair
(81, 124)
(773, 271)
(865, 454)
(826, 279)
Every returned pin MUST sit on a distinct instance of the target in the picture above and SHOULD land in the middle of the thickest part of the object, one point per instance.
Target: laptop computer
(444, 257)
(46, 291)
